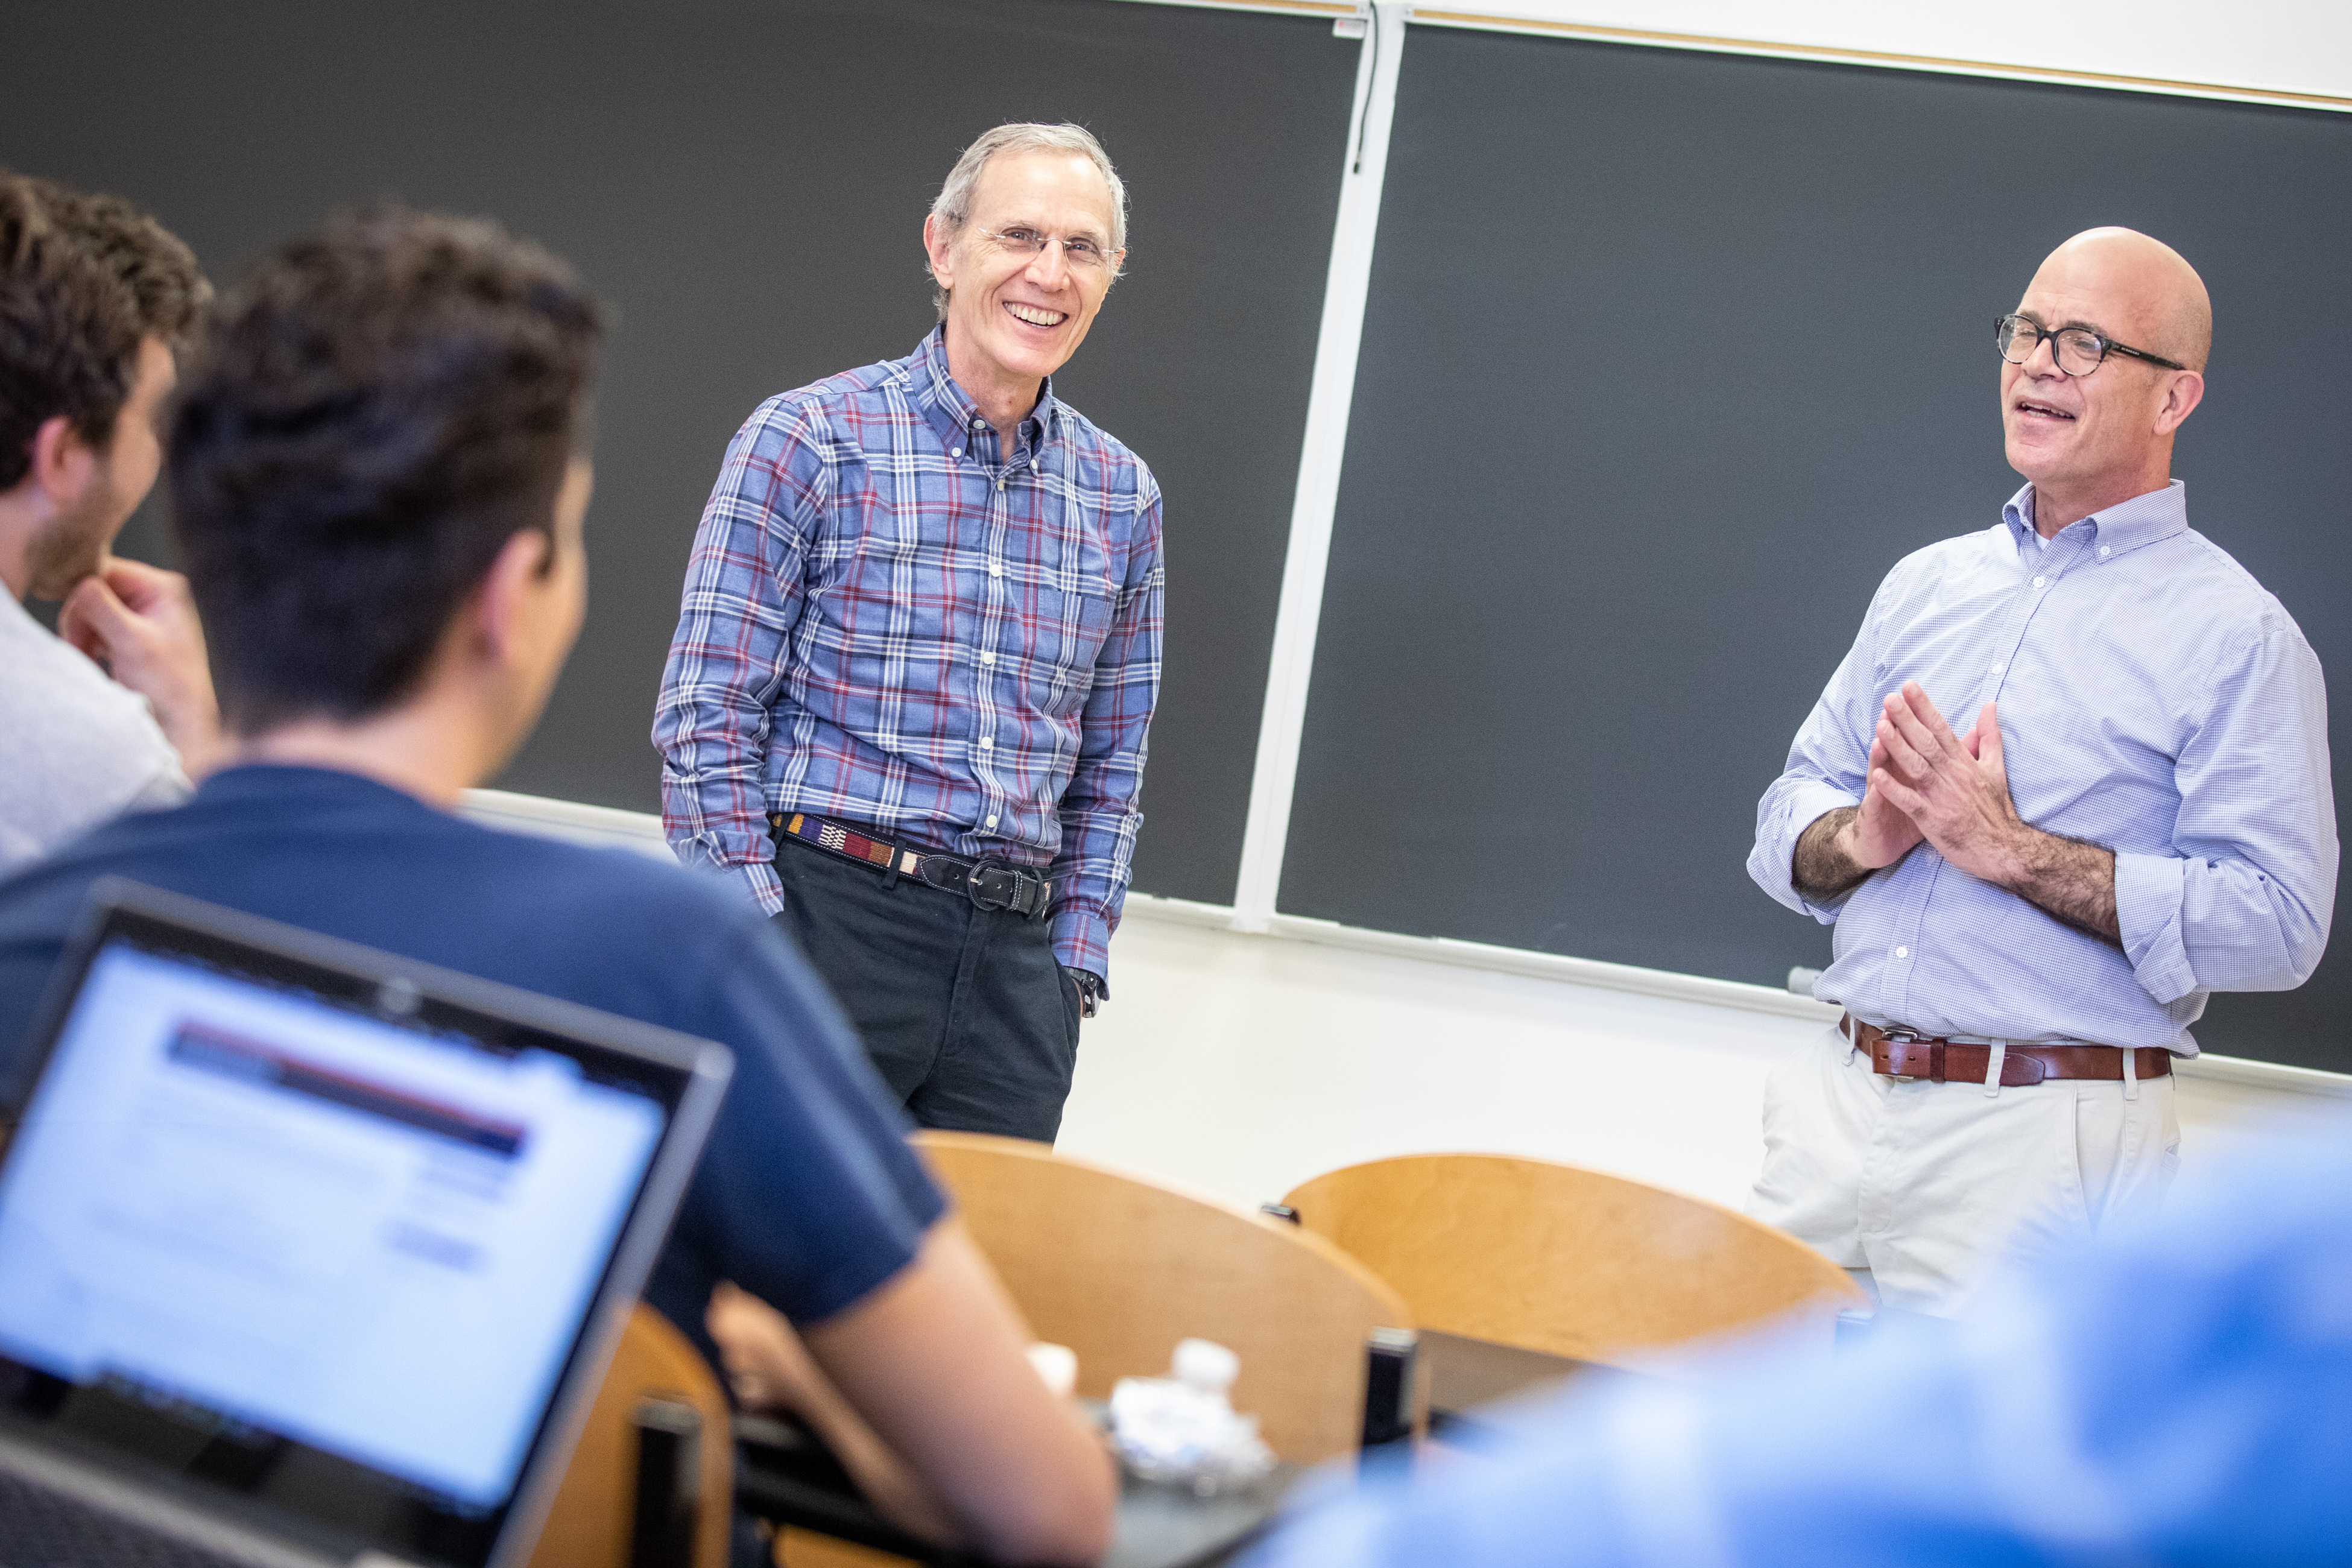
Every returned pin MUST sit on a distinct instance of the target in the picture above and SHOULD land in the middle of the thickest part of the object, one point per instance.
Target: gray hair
(953, 205)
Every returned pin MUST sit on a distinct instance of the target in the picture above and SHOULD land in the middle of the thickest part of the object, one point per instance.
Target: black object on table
(1478, 1388)
(783, 1475)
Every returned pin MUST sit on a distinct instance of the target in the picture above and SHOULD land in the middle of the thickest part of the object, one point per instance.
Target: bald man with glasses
(2072, 778)
(919, 649)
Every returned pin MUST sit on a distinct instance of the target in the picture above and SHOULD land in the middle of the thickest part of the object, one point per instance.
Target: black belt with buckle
(989, 885)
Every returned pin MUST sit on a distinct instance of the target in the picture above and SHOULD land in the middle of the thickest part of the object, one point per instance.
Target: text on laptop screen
(370, 1239)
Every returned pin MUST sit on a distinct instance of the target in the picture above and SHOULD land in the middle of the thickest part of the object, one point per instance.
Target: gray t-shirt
(75, 748)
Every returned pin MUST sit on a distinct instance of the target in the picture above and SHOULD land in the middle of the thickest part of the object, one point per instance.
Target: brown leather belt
(1904, 1054)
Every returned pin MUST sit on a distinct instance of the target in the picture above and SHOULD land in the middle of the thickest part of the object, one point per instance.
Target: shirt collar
(952, 414)
(2126, 525)
(276, 783)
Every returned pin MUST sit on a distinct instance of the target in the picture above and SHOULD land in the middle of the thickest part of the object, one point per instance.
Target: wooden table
(781, 1476)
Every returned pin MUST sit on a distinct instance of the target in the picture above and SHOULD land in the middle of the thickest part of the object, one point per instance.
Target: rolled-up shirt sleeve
(2243, 900)
(727, 660)
(1098, 809)
(1828, 766)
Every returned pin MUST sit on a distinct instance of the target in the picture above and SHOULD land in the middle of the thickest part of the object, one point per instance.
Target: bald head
(2102, 437)
(2150, 297)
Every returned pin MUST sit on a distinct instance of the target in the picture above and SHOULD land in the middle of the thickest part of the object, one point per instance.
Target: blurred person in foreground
(379, 477)
(97, 301)
(2177, 1392)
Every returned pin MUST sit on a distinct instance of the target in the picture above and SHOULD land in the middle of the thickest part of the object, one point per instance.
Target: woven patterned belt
(1902, 1054)
(988, 885)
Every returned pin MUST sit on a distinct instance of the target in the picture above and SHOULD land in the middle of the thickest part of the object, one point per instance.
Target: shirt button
(1899, 953)
(988, 658)
(1997, 668)
(992, 822)
(957, 453)
(1000, 484)
(986, 744)
(2102, 552)
(996, 568)
(2037, 582)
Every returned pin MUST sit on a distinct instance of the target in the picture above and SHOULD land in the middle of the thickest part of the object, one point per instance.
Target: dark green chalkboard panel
(746, 180)
(1611, 510)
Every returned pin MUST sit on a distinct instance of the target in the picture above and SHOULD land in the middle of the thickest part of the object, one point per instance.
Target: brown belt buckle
(1913, 1038)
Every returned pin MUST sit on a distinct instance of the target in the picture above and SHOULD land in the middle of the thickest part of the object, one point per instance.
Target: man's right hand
(1879, 834)
(1845, 846)
(140, 622)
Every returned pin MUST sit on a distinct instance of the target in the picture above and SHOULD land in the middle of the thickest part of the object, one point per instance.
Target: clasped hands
(1927, 782)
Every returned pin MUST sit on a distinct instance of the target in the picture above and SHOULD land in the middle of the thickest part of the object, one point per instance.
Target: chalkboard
(1611, 510)
(745, 180)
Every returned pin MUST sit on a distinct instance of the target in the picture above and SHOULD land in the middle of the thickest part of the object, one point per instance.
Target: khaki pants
(1927, 1184)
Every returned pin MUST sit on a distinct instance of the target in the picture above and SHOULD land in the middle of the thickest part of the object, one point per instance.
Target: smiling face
(1014, 318)
(2090, 441)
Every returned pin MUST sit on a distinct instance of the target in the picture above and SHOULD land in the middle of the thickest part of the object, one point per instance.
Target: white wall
(1244, 1065)
(2296, 45)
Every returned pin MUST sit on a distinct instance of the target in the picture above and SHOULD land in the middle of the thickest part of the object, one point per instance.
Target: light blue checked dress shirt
(2153, 698)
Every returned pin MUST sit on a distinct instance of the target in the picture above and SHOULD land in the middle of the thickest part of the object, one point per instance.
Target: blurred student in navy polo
(379, 476)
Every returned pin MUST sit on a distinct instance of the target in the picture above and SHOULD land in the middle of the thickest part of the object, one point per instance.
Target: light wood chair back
(1119, 1268)
(590, 1524)
(1568, 1261)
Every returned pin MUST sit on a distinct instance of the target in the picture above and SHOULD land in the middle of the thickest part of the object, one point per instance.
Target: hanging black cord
(1372, 14)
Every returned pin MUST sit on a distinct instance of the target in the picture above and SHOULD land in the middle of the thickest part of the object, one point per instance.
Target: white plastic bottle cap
(1057, 1365)
(1205, 1364)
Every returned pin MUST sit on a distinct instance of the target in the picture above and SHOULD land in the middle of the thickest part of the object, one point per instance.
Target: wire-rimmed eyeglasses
(1081, 253)
(2077, 350)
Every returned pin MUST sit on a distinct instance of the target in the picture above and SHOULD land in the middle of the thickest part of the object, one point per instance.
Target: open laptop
(313, 1254)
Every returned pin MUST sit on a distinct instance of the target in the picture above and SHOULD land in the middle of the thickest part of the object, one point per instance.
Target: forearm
(2069, 879)
(1099, 821)
(1823, 867)
(712, 734)
(722, 684)
(933, 1363)
(1090, 876)
(771, 1370)
(716, 814)
(1099, 816)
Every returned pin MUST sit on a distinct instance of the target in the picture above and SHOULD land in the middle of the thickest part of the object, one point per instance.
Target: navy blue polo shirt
(807, 1195)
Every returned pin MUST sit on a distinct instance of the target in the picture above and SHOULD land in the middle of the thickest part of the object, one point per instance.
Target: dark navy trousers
(964, 1012)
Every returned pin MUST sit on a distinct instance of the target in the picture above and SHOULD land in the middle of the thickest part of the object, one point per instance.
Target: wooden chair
(1119, 1268)
(659, 1427)
(1570, 1262)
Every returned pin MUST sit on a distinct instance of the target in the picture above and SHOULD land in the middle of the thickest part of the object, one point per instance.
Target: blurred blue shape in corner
(2179, 1392)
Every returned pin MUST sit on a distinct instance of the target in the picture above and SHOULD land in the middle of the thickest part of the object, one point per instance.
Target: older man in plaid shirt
(918, 651)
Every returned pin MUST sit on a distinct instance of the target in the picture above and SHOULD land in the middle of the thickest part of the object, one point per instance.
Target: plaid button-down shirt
(888, 621)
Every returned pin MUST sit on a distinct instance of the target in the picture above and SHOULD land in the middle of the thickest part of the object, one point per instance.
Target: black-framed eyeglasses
(2078, 351)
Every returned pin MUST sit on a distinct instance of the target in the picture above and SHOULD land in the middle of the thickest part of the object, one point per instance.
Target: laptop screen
(328, 1239)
